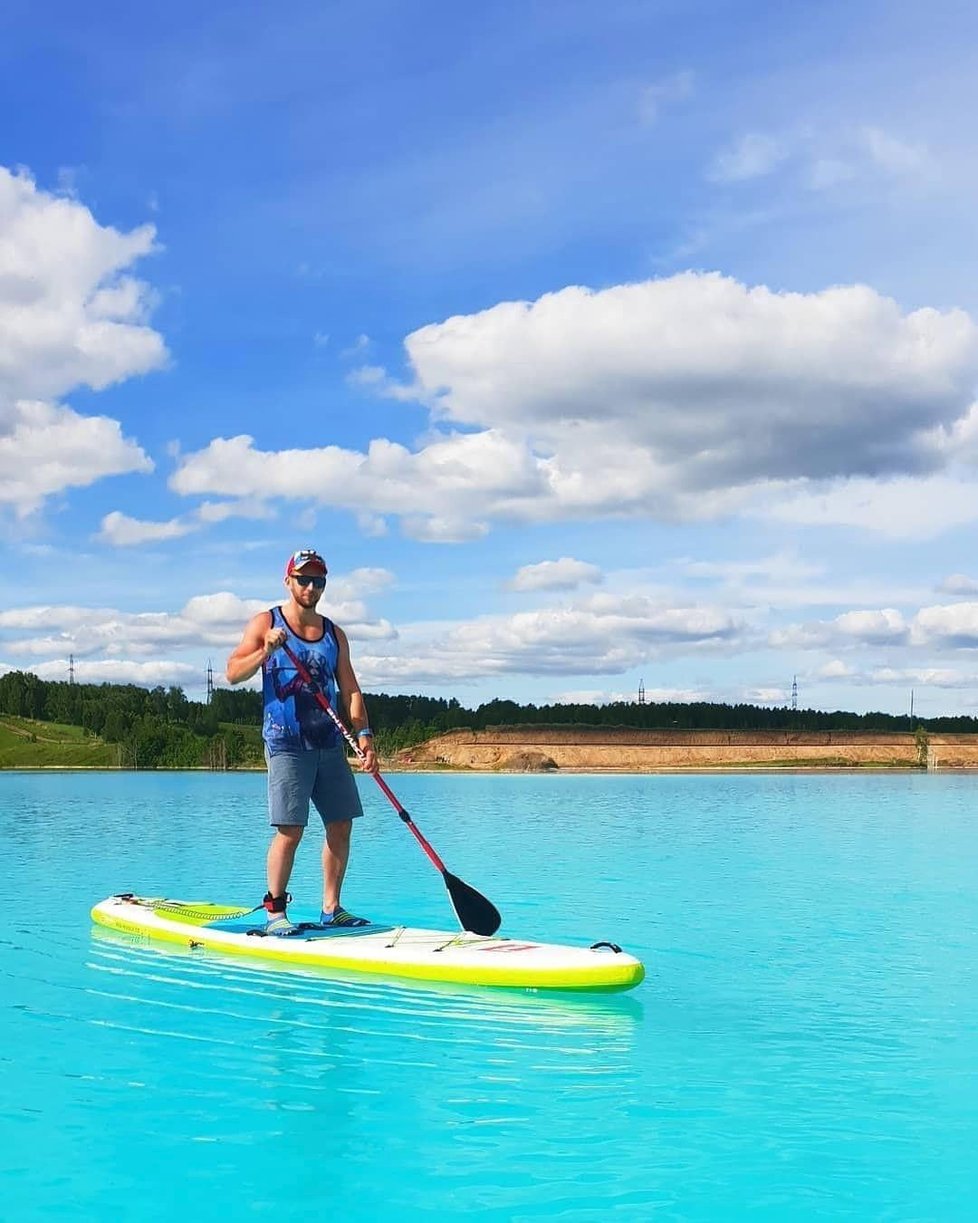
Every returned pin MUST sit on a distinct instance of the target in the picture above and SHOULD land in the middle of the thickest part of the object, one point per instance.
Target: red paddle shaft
(392, 797)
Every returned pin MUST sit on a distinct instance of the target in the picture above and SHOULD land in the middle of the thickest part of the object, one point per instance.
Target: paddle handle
(361, 755)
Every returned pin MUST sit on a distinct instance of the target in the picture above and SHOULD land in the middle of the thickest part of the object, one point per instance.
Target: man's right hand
(274, 640)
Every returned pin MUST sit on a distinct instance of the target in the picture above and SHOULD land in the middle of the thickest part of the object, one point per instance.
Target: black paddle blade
(474, 912)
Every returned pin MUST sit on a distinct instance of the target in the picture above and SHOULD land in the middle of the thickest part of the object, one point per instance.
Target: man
(303, 748)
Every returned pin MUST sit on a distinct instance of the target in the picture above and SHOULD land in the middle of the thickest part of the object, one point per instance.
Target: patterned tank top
(293, 719)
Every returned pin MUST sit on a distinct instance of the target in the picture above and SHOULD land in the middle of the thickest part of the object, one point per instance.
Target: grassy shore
(25, 744)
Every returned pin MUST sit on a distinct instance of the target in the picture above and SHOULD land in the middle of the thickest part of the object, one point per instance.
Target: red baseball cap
(306, 560)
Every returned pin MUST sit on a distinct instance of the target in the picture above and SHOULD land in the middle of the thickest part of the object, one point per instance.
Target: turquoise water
(805, 1045)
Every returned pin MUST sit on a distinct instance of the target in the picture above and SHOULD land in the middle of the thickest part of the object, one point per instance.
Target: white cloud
(600, 635)
(824, 159)
(675, 88)
(121, 531)
(959, 584)
(70, 316)
(883, 627)
(836, 669)
(681, 398)
(220, 511)
(441, 530)
(563, 574)
(902, 507)
(923, 677)
(121, 671)
(46, 448)
(952, 625)
(873, 627)
(754, 155)
(364, 581)
(901, 677)
(374, 526)
(212, 620)
(439, 490)
(765, 696)
(893, 155)
(359, 346)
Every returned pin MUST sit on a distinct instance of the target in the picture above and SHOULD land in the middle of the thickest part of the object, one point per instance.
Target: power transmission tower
(210, 681)
(794, 693)
(641, 691)
(71, 668)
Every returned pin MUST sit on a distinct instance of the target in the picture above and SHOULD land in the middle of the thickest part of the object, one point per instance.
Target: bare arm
(258, 643)
(353, 700)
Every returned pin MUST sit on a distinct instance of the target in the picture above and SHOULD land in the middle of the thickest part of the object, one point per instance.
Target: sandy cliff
(538, 748)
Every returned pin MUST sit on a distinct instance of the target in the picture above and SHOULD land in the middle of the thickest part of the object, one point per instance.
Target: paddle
(473, 910)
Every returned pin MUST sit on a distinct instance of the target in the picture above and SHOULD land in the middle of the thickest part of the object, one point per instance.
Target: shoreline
(462, 771)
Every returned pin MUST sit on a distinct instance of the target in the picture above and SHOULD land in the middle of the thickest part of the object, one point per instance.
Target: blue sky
(592, 344)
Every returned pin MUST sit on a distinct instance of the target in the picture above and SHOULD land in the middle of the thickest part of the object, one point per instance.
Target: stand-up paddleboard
(391, 951)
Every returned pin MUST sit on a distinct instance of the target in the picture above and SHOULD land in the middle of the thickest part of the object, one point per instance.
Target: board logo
(511, 947)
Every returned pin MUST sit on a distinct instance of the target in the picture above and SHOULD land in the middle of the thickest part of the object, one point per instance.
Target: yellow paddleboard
(391, 951)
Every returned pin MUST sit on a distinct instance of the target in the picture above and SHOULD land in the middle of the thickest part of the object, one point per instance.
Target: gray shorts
(322, 775)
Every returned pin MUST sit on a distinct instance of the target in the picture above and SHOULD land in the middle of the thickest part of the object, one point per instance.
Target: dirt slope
(527, 748)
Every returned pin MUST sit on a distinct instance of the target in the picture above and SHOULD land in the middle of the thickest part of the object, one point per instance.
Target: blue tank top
(293, 719)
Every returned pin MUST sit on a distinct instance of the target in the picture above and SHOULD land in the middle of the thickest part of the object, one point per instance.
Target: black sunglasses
(315, 583)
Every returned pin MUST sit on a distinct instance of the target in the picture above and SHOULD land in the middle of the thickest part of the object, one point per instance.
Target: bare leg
(281, 856)
(336, 854)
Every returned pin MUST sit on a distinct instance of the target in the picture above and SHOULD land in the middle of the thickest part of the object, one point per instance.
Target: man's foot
(340, 917)
(280, 925)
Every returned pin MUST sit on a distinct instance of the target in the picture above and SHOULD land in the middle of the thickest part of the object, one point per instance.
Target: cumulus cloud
(901, 677)
(903, 507)
(949, 626)
(681, 398)
(71, 315)
(46, 448)
(954, 625)
(440, 490)
(563, 574)
(121, 671)
(764, 696)
(836, 669)
(600, 635)
(959, 584)
(885, 627)
(212, 620)
(121, 531)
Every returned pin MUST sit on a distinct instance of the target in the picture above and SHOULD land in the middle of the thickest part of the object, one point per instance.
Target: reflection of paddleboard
(392, 951)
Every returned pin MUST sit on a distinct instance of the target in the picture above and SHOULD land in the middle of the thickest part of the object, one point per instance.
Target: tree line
(161, 728)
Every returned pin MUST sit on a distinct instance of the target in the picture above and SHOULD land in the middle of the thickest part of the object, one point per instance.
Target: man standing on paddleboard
(303, 747)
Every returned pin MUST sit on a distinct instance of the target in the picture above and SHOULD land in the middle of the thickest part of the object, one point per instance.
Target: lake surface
(805, 1045)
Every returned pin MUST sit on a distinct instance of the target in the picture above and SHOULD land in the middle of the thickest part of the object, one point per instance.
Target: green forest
(161, 728)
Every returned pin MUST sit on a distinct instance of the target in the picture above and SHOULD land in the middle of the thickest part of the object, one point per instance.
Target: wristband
(366, 733)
